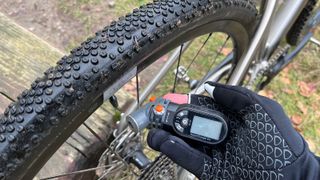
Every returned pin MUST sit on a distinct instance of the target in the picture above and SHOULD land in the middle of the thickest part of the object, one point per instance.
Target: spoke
(109, 171)
(195, 57)
(115, 169)
(214, 77)
(176, 77)
(213, 62)
(112, 167)
(193, 60)
(77, 172)
(138, 90)
(219, 53)
(105, 144)
(156, 80)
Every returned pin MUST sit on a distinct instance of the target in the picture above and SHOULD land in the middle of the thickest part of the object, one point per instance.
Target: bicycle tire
(298, 29)
(44, 116)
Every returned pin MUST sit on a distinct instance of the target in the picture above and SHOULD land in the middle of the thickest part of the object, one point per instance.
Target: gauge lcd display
(206, 127)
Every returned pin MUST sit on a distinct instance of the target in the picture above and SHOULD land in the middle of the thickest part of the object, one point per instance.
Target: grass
(125, 6)
(302, 102)
(82, 11)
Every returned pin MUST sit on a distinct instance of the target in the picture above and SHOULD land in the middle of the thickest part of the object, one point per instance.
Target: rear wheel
(44, 116)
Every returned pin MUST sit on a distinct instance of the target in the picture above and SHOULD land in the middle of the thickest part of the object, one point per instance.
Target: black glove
(261, 144)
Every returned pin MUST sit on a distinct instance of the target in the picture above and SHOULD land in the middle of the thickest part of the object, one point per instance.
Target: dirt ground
(66, 23)
(62, 23)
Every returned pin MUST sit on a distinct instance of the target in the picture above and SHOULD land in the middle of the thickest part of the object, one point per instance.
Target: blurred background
(66, 23)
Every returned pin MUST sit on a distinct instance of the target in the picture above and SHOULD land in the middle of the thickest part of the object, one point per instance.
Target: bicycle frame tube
(273, 26)
(244, 63)
(283, 21)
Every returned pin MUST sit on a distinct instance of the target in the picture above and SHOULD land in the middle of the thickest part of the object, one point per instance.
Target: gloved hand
(261, 144)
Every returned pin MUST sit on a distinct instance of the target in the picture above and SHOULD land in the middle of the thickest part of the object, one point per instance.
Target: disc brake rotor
(125, 145)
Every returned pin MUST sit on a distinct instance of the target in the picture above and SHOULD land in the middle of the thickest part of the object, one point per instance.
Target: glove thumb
(178, 151)
(232, 97)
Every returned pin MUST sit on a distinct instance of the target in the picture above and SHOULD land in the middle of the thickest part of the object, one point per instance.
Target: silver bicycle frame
(278, 17)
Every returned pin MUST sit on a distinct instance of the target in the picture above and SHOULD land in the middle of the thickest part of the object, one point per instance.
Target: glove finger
(178, 151)
(156, 138)
(232, 97)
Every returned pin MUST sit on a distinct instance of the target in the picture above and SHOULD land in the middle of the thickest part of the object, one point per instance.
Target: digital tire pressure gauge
(187, 121)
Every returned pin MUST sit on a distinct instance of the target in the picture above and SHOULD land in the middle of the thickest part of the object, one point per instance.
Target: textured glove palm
(261, 144)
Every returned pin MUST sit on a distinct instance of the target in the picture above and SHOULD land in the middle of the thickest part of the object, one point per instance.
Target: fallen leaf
(315, 106)
(285, 80)
(294, 66)
(286, 70)
(312, 86)
(306, 89)
(296, 120)
(226, 51)
(311, 144)
(267, 93)
(302, 108)
(297, 128)
(262, 93)
(317, 97)
(130, 89)
(288, 91)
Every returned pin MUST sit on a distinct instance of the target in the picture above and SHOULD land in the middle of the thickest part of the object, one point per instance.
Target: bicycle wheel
(44, 116)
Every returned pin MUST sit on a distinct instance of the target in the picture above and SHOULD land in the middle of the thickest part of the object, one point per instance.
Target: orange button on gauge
(159, 108)
(152, 98)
